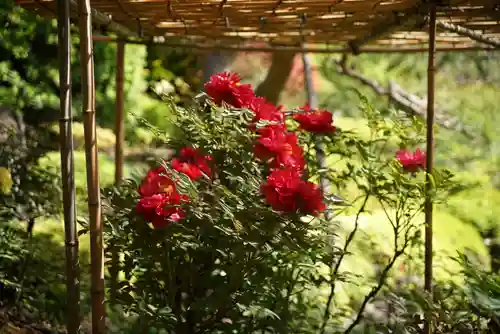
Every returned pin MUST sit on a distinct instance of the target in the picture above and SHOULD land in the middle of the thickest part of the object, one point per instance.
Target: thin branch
(398, 251)
(409, 103)
(472, 34)
(375, 290)
(336, 268)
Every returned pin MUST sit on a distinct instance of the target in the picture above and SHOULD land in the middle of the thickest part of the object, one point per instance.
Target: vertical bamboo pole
(119, 125)
(91, 157)
(120, 138)
(428, 207)
(312, 99)
(68, 169)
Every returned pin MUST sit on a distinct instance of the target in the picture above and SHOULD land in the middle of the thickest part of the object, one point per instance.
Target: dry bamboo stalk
(428, 205)
(68, 170)
(120, 138)
(119, 125)
(91, 156)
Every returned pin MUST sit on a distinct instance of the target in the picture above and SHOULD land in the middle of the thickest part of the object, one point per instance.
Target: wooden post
(91, 157)
(68, 169)
(119, 125)
(428, 207)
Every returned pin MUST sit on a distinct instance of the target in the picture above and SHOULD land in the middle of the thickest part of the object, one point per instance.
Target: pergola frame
(82, 9)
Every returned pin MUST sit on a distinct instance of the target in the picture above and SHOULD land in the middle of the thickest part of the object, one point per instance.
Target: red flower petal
(226, 87)
(410, 161)
(317, 121)
(192, 163)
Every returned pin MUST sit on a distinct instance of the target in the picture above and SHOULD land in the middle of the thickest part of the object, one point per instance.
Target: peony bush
(229, 235)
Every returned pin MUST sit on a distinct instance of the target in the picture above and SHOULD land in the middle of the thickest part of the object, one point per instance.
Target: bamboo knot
(65, 120)
(72, 243)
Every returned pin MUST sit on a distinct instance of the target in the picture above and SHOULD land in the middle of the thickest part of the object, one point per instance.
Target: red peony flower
(226, 87)
(162, 209)
(265, 111)
(156, 181)
(282, 147)
(272, 139)
(192, 163)
(311, 201)
(412, 162)
(318, 121)
(285, 191)
(290, 155)
(159, 198)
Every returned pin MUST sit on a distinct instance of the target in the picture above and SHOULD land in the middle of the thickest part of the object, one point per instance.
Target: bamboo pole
(92, 164)
(119, 125)
(68, 169)
(120, 138)
(428, 207)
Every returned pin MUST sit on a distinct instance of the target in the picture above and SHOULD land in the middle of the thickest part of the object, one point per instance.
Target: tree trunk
(277, 76)
(215, 62)
(272, 85)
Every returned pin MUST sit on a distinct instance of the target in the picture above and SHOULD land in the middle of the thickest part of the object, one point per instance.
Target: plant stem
(375, 290)
(336, 268)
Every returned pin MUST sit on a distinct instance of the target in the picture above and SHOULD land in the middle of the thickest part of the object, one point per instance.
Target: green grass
(106, 175)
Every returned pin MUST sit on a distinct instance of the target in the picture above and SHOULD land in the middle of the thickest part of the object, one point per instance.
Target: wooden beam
(68, 170)
(92, 165)
(276, 48)
(428, 205)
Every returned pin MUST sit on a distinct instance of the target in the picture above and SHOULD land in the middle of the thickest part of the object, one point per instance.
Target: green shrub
(233, 264)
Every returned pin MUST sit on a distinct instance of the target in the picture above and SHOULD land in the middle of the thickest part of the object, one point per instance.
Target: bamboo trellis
(351, 26)
(351, 23)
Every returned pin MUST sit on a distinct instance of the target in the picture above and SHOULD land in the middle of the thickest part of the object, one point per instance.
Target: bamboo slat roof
(386, 23)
